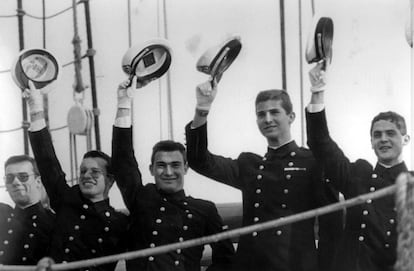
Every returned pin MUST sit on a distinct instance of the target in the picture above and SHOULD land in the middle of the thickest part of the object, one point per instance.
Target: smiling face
(94, 181)
(168, 169)
(387, 142)
(23, 192)
(273, 122)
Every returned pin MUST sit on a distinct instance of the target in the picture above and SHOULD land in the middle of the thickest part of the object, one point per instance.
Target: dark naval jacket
(283, 182)
(84, 229)
(369, 240)
(160, 219)
(24, 234)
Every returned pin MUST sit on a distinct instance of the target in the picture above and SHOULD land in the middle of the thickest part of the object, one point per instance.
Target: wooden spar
(91, 53)
(412, 80)
(20, 14)
(283, 42)
(302, 102)
(45, 96)
(169, 99)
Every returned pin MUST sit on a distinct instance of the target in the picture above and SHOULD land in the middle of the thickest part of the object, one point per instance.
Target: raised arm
(325, 150)
(51, 172)
(127, 174)
(219, 168)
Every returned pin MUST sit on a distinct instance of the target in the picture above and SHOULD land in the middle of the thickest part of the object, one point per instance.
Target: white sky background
(370, 72)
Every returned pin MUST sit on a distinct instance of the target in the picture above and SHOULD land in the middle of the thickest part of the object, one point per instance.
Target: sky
(370, 72)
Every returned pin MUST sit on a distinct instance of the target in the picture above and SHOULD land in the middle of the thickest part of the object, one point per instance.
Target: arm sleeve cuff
(37, 125)
(315, 108)
(123, 122)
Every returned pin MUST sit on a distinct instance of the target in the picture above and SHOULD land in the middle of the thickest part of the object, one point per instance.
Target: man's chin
(87, 189)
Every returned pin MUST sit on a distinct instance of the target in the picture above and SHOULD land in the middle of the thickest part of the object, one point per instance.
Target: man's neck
(279, 143)
(24, 206)
(391, 164)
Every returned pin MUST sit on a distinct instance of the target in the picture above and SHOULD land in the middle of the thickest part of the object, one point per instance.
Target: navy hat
(319, 44)
(37, 65)
(216, 60)
(147, 61)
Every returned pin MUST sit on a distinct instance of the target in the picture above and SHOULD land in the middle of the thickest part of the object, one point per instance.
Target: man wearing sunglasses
(87, 225)
(24, 230)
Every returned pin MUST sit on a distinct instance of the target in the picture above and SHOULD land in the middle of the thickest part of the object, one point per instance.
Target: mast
(169, 99)
(45, 96)
(412, 79)
(90, 54)
(283, 42)
(20, 14)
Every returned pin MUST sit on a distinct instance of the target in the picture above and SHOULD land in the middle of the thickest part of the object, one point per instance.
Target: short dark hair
(104, 156)
(168, 146)
(393, 117)
(22, 158)
(278, 95)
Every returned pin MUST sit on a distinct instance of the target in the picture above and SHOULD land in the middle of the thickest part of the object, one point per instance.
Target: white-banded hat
(37, 65)
(147, 61)
(217, 59)
(320, 38)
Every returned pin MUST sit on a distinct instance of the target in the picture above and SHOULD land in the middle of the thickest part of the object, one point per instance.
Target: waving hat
(147, 61)
(37, 65)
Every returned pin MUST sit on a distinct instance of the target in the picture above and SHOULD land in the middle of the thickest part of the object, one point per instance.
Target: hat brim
(216, 60)
(37, 65)
(147, 61)
(320, 39)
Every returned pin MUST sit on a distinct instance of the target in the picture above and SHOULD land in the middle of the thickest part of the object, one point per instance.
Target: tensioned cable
(41, 17)
(53, 15)
(21, 127)
(361, 199)
(8, 16)
(11, 130)
(63, 66)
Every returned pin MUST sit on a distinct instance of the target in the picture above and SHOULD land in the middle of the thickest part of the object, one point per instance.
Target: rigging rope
(41, 17)
(361, 199)
(63, 65)
(78, 87)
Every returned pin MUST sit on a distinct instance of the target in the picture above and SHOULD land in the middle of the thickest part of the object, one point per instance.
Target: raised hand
(205, 94)
(317, 77)
(34, 98)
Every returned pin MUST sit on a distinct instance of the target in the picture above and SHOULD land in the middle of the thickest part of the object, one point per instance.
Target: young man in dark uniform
(87, 225)
(282, 182)
(25, 229)
(162, 213)
(369, 240)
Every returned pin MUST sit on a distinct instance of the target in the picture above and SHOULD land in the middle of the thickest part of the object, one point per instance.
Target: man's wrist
(202, 112)
(38, 115)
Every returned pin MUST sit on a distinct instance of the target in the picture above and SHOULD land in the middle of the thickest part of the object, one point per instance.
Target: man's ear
(292, 117)
(186, 167)
(38, 180)
(110, 180)
(151, 167)
(406, 140)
